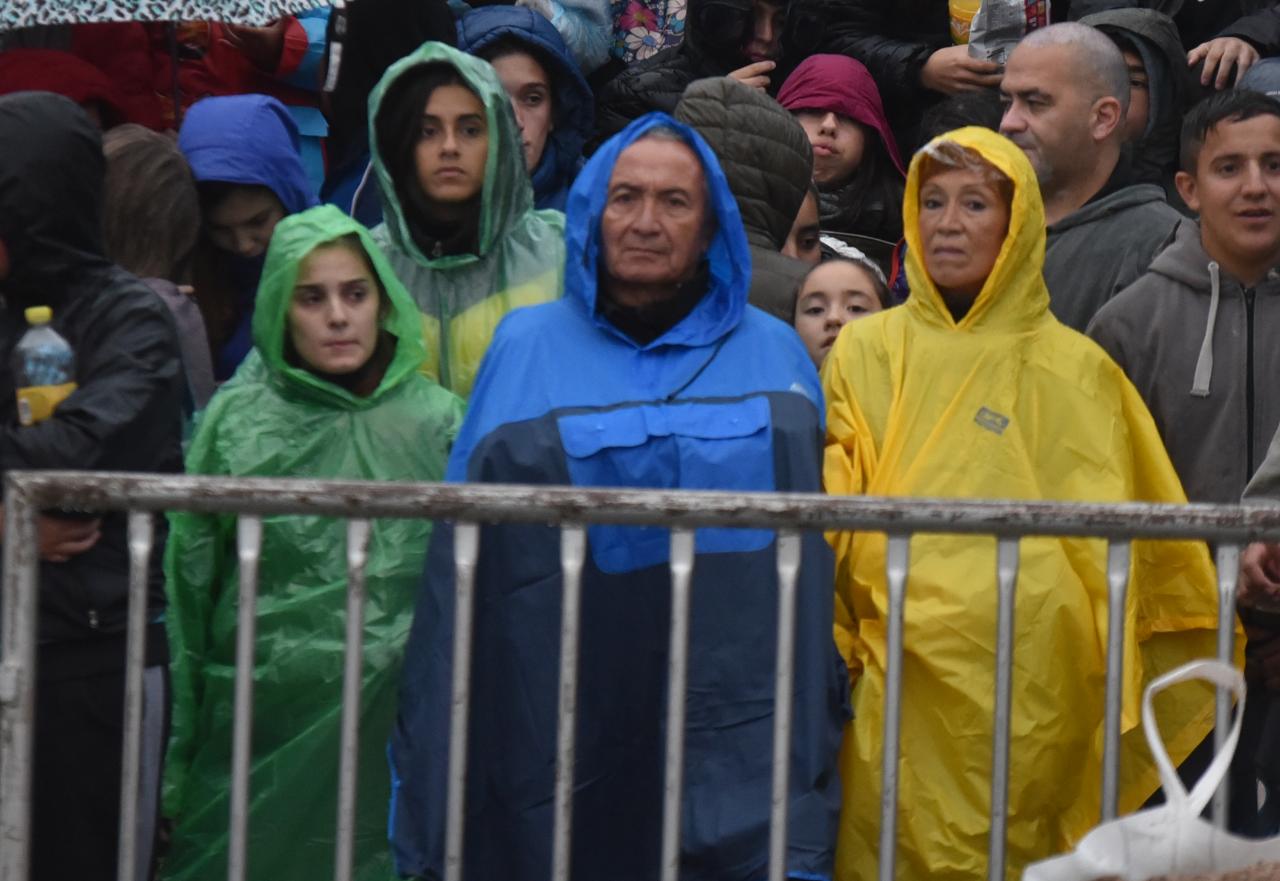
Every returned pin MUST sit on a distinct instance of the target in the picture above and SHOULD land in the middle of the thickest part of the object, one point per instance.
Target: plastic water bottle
(44, 368)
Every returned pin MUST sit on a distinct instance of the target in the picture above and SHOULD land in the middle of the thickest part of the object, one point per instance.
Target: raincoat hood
(1014, 296)
(507, 193)
(728, 257)
(572, 103)
(763, 151)
(837, 82)
(250, 140)
(295, 237)
(51, 179)
(1155, 36)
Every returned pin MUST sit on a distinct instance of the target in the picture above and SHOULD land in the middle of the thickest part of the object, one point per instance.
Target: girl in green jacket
(332, 390)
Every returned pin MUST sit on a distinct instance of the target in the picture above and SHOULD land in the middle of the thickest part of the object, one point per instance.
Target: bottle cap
(38, 314)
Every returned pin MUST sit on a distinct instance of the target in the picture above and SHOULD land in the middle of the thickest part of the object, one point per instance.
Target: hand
(755, 75)
(1259, 575)
(1262, 660)
(61, 539)
(951, 70)
(1219, 56)
(262, 46)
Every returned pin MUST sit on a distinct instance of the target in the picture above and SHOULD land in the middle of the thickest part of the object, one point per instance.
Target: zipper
(446, 379)
(1248, 379)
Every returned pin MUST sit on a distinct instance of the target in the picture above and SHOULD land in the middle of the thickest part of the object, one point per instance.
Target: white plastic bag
(1172, 838)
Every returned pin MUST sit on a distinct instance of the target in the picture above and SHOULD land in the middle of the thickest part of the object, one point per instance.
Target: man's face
(654, 229)
(764, 40)
(1048, 112)
(1236, 191)
(1135, 121)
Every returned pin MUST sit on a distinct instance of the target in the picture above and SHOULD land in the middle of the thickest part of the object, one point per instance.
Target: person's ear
(1107, 116)
(1186, 184)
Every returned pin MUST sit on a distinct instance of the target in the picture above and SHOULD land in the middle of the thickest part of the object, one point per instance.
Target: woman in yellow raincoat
(973, 389)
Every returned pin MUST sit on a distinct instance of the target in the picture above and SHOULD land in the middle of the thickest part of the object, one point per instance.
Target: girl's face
(527, 84)
(838, 146)
(243, 221)
(333, 316)
(963, 224)
(803, 242)
(833, 294)
(452, 146)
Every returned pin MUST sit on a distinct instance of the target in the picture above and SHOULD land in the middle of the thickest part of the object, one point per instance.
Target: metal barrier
(469, 505)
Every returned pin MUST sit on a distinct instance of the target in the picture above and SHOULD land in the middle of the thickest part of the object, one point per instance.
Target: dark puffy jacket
(712, 46)
(767, 161)
(126, 413)
(1254, 21)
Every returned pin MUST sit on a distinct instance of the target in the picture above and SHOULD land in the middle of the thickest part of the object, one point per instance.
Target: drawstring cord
(1204, 364)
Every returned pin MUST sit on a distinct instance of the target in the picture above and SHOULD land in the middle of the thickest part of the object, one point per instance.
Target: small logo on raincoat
(991, 420)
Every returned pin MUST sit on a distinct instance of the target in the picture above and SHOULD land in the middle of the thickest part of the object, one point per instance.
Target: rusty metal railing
(472, 504)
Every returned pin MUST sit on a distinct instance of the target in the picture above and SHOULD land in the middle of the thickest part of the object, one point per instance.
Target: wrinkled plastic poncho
(1006, 403)
(277, 420)
(519, 259)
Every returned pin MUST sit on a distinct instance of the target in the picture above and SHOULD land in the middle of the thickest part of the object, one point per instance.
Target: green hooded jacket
(274, 419)
(520, 251)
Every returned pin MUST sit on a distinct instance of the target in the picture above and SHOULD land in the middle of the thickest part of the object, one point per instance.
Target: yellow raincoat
(1007, 403)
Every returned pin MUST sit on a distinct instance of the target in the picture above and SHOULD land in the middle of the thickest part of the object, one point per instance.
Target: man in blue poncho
(652, 371)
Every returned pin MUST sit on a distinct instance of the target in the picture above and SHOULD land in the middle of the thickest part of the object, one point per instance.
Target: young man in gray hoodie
(1066, 93)
(1196, 336)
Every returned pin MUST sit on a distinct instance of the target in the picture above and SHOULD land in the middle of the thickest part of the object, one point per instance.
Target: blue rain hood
(250, 140)
(573, 103)
(729, 256)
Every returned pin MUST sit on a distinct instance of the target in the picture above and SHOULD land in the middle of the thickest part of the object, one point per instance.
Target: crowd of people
(804, 246)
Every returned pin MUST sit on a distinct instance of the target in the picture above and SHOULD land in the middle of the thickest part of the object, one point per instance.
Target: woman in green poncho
(460, 228)
(331, 391)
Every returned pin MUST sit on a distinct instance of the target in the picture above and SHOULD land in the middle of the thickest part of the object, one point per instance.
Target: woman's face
(833, 294)
(803, 242)
(243, 221)
(838, 146)
(333, 316)
(527, 84)
(963, 224)
(452, 146)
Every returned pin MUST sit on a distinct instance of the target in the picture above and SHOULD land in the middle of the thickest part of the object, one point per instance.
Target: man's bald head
(1095, 61)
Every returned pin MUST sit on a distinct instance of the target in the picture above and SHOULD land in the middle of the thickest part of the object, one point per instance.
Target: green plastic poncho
(274, 419)
(520, 251)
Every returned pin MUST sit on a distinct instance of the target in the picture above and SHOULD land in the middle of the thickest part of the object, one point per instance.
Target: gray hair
(1097, 59)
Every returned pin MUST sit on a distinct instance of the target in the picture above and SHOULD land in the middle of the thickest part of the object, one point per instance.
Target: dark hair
(512, 45)
(982, 108)
(151, 213)
(875, 185)
(213, 192)
(1232, 105)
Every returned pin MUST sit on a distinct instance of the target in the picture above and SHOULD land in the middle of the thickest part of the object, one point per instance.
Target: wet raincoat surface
(519, 259)
(724, 399)
(275, 419)
(1006, 403)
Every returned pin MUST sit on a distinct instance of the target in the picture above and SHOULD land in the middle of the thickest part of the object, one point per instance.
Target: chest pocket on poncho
(725, 446)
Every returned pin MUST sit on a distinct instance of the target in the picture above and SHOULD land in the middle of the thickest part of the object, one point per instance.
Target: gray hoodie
(1103, 248)
(1202, 352)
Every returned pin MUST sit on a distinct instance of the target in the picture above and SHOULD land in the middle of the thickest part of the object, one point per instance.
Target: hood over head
(838, 83)
(51, 174)
(507, 194)
(295, 237)
(51, 70)
(1014, 297)
(728, 258)
(763, 151)
(572, 102)
(249, 140)
(1155, 38)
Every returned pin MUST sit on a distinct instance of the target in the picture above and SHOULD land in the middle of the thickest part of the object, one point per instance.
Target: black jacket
(712, 47)
(1254, 21)
(767, 160)
(126, 412)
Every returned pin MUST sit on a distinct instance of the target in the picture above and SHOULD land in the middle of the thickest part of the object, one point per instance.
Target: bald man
(1066, 93)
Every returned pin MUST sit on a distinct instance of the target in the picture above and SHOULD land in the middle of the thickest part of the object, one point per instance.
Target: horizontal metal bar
(499, 503)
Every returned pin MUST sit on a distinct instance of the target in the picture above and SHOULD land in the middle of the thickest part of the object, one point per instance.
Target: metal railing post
(573, 546)
(789, 545)
(358, 531)
(466, 549)
(141, 535)
(1228, 575)
(897, 558)
(1118, 556)
(248, 550)
(682, 551)
(1006, 592)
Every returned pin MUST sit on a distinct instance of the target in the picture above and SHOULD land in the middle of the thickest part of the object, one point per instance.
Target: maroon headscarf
(840, 84)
